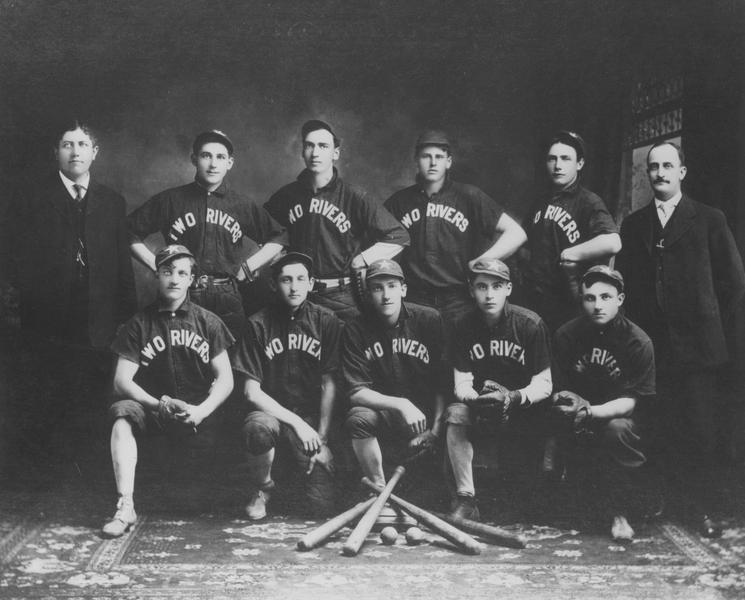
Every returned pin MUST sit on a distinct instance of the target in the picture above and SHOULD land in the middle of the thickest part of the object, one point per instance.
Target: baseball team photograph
(379, 300)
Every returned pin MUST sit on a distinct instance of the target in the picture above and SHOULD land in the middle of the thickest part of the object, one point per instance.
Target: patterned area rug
(215, 556)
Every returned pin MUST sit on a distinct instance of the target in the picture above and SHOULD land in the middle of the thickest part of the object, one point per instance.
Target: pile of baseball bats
(453, 529)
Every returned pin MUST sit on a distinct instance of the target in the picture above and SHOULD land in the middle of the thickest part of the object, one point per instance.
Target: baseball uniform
(212, 225)
(569, 217)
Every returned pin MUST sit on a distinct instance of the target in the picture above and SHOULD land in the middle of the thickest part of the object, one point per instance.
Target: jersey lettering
(564, 220)
(295, 341)
(411, 217)
(331, 212)
(449, 214)
(599, 357)
(295, 213)
(406, 346)
(214, 216)
(177, 338)
(501, 348)
(217, 217)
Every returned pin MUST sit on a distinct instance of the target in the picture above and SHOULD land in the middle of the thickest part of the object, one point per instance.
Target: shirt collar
(671, 204)
(283, 311)
(446, 185)
(219, 192)
(185, 307)
(567, 191)
(70, 184)
(374, 317)
(306, 178)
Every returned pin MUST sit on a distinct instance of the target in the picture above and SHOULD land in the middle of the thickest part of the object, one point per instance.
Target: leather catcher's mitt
(571, 411)
(496, 400)
(169, 409)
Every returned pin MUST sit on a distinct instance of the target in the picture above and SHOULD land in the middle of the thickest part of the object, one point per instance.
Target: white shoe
(621, 530)
(256, 507)
(122, 520)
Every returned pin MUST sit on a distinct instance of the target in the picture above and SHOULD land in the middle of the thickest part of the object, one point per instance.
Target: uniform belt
(207, 280)
(328, 284)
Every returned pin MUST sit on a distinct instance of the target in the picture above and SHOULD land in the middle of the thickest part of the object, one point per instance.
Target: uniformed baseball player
(211, 219)
(568, 231)
(288, 360)
(502, 369)
(604, 371)
(392, 367)
(449, 223)
(172, 373)
(342, 228)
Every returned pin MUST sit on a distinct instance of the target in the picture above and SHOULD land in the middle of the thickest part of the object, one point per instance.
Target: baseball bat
(491, 534)
(464, 541)
(359, 533)
(323, 532)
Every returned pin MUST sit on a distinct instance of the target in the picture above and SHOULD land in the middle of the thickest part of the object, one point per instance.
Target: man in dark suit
(76, 285)
(685, 283)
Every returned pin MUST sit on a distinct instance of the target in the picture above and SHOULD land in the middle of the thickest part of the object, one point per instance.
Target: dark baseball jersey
(447, 230)
(334, 224)
(173, 349)
(569, 217)
(288, 354)
(510, 352)
(404, 360)
(601, 364)
(211, 224)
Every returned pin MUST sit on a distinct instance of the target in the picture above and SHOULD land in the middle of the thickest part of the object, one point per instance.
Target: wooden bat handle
(464, 541)
(492, 534)
(357, 537)
(323, 532)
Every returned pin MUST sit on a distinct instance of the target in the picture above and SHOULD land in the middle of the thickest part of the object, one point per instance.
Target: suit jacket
(703, 280)
(45, 247)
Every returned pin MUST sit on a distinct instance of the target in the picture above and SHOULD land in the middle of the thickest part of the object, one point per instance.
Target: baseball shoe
(465, 507)
(621, 531)
(256, 507)
(122, 520)
(710, 528)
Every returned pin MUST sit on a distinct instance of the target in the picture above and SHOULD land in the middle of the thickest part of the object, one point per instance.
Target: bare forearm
(539, 387)
(266, 253)
(265, 403)
(127, 389)
(143, 254)
(601, 246)
(614, 409)
(375, 400)
(511, 237)
(377, 251)
(328, 398)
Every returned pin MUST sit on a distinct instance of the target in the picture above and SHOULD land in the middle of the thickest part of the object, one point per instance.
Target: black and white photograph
(415, 299)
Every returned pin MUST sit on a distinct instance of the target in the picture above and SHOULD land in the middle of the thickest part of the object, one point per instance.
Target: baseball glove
(359, 288)
(497, 400)
(171, 409)
(571, 411)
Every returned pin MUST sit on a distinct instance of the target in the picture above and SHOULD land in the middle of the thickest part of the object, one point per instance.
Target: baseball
(389, 535)
(414, 536)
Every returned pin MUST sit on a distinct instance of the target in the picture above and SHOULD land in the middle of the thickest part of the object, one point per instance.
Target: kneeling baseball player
(502, 368)
(392, 365)
(603, 370)
(172, 373)
(288, 358)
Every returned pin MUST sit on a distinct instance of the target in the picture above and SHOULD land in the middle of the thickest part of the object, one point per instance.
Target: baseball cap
(570, 138)
(384, 268)
(213, 135)
(293, 257)
(433, 137)
(171, 252)
(490, 266)
(315, 125)
(603, 273)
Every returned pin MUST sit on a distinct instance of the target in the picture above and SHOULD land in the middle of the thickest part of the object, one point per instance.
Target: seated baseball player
(603, 369)
(392, 366)
(172, 373)
(502, 368)
(288, 359)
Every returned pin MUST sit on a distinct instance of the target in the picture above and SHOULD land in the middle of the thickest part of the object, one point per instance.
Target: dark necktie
(81, 257)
